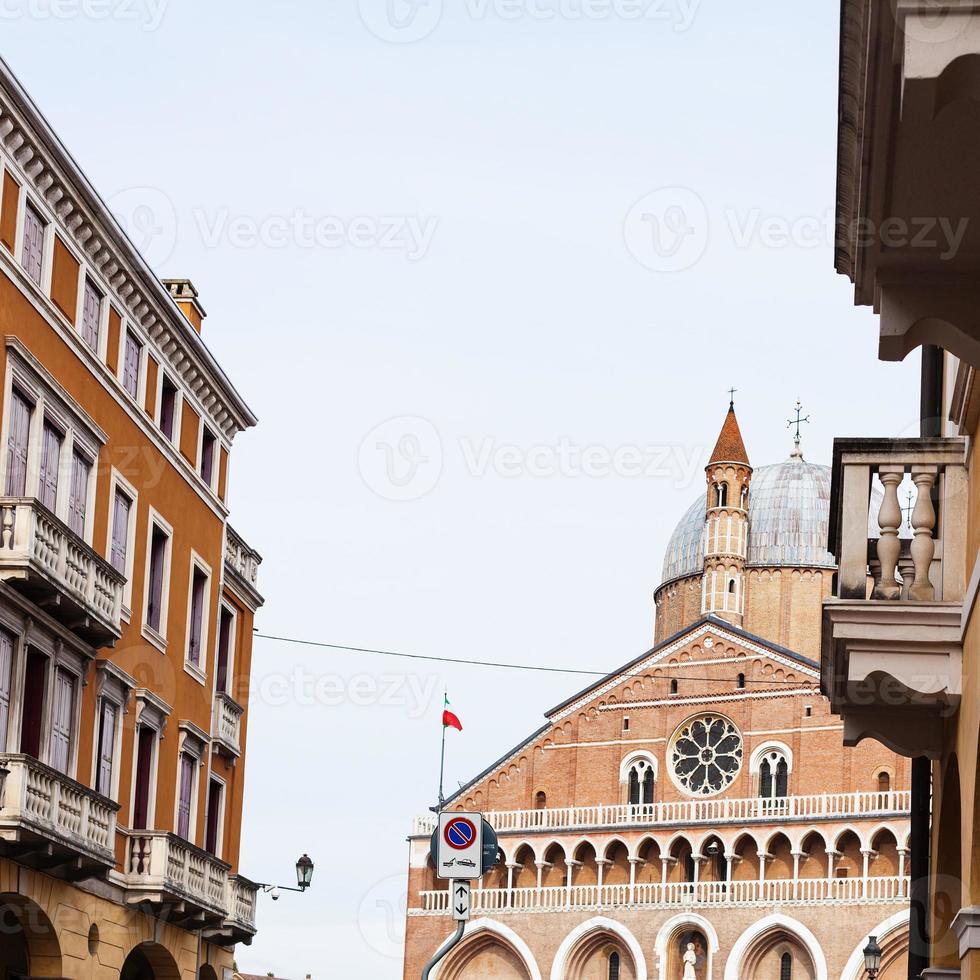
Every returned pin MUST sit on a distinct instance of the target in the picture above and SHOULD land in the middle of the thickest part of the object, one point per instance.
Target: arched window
(673, 686)
(540, 800)
(641, 783)
(884, 782)
(731, 586)
(721, 495)
(614, 966)
(786, 967)
(745, 498)
(774, 776)
(741, 682)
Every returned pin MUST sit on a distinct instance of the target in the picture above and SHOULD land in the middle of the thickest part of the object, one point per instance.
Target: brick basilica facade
(694, 814)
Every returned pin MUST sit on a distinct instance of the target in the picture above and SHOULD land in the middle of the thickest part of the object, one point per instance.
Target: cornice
(85, 220)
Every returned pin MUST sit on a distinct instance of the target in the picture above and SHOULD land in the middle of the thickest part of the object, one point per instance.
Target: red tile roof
(730, 448)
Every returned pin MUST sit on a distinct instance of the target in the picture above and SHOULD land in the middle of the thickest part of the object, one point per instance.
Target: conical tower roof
(730, 448)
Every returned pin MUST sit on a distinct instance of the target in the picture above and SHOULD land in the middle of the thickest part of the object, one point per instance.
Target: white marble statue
(690, 958)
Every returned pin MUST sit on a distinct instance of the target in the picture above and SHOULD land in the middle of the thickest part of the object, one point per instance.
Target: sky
(485, 271)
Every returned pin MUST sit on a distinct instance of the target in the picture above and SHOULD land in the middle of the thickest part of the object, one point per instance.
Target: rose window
(706, 755)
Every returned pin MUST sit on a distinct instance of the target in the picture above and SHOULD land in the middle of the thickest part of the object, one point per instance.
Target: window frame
(152, 713)
(125, 332)
(225, 606)
(165, 379)
(115, 687)
(205, 430)
(29, 202)
(157, 636)
(119, 484)
(219, 842)
(198, 670)
(102, 319)
(192, 742)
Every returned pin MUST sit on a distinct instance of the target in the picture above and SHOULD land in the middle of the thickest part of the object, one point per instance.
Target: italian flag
(449, 720)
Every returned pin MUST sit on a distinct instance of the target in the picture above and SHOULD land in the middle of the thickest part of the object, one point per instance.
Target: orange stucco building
(126, 599)
(697, 796)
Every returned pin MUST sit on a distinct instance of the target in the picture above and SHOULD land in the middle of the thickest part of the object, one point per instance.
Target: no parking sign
(459, 846)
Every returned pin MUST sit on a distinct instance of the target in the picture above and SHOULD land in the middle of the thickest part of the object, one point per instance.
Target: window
(884, 782)
(706, 755)
(809, 711)
(199, 590)
(6, 671)
(119, 545)
(47, 490)
(614, 966)
(208, 446)
(741, 682)
(32, 708)
(78, 498)
(145, 758)
(786, 967)
(212, 833)
(185, 795)
(540, 800)
(745, 498)
(168, 408)
(774, 776)
(640, 783)
(91, 315)
(731, 586)
(61, 720)
(156, 593)
(131, 365)
(626, 724)
(106, 747)
(721, 494)
(673, 686)
(18, 437)
(226, 625)
(33, 255)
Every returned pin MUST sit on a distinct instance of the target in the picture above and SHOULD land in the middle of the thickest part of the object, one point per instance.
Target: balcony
(50, 564)
(51, 822)
(676, 895)
(688, 813)
(172, 876)
(891, 644)
(239, 923)
(226, 723)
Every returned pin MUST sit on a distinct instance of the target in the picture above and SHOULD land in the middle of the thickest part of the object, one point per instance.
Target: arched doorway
(491, 950)
(28, 943)
(207, 972)
(149, 961)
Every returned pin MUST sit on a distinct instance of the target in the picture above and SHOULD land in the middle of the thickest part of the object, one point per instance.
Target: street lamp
(304, 877)
(872, 957)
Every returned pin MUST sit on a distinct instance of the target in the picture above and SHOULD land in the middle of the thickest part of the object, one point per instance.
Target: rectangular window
(213, 831)
(107, 747)
(33, 256)
(91, 315)
(158, 568)
(168, 408)
(199, 591)
(226, 623)
(144, 773)
(61, 720)
(18, 436)
(131, 365)
(121, 507)
(33, 705)
(186, 793)
(6, 670)
(81, 469)
(47, 490)
(208, 445)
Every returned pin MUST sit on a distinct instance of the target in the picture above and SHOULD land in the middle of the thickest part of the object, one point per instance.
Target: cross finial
(796, 423)
(731, 397)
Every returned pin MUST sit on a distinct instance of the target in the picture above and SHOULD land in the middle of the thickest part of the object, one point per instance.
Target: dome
(789, 512)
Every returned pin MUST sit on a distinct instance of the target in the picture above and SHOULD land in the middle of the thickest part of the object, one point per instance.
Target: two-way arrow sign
(459, 895)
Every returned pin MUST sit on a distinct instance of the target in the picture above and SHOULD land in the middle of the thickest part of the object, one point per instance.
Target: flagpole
(442, 757)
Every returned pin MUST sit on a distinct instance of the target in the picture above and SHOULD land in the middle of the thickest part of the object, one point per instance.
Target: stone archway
(776, 954)
(149, 961)
(489, 949)
(585, 952)
(28, 941)
(795, 936)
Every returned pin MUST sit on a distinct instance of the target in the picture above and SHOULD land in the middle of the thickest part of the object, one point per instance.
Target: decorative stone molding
(966, 925)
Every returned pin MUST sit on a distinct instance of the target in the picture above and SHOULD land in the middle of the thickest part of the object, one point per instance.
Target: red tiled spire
(730, 448)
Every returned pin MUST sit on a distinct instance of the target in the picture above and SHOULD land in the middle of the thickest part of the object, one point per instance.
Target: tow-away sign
(460, 846)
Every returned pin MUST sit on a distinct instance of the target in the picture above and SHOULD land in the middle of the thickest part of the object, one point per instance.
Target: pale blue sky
(499, 158)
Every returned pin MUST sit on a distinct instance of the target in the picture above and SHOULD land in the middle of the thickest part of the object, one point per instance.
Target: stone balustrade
(226, 724)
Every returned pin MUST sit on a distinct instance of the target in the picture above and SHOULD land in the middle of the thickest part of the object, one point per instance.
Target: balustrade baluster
(889, 520)
(923, 521)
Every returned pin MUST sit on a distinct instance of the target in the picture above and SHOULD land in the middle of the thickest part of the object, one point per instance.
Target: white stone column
(541, 865)
(868, 854)
(511, 868)
(902, 853)
(633, 863)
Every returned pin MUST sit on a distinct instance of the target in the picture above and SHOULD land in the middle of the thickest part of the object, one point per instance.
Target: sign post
(460, 897)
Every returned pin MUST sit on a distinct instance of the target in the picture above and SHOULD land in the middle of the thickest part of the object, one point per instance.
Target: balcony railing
(239, 924)
(73, 827)
(891, 645)
(226, 724)
(165, 870)
(692, 812)
(777, 891)
(47, 560)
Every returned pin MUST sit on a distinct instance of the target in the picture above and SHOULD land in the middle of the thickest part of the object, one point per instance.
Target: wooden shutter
(18, 436)
(131, 365)
(107, 745)
(158, 559)
(47, 490)
(33, 243)
(198, 591)
(225, 622)
(61, 715)
(91, 315)
(184, 801)
(120, 531)
(78, 497)
(6, 665)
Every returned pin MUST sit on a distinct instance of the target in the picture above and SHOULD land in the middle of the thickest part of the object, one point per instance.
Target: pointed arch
(672, 927)
(888, 931)
(776, 922)
(598, 925)
(491, 930)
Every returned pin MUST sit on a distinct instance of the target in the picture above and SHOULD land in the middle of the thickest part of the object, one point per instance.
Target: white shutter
(184, 800)
(6, 663)
(107, 745)
(61, 715)
(78, 496)
(120, 531)
(17, 440)
(50, 460)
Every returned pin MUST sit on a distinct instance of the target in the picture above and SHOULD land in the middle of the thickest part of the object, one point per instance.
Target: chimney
(185, 296)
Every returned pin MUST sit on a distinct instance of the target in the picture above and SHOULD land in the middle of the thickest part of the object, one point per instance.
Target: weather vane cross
(795, 424)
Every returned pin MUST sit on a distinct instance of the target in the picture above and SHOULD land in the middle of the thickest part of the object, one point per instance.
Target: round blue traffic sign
(459, 833)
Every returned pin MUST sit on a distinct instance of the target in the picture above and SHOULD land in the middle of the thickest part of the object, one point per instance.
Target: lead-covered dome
(789, 511)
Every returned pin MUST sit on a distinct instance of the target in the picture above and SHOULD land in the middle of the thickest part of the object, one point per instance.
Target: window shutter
(198, 588)
(17, 439)
(64, 697)
(50, 457)
(120, 531)
(131, 365)
(78, 498)
(6, 663)
(184, 802)
(91, 315)
(33, 244)
(107, 744)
